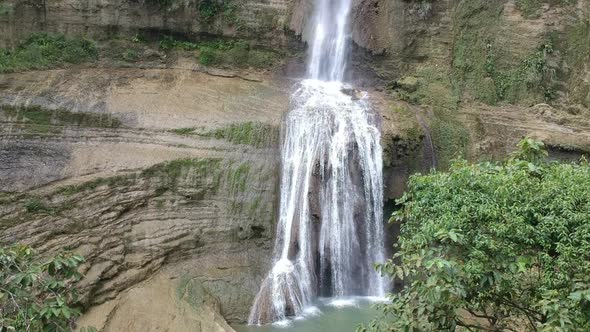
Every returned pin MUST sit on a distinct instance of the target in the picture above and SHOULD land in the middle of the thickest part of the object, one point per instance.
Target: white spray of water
(330, 230)
(329, 44)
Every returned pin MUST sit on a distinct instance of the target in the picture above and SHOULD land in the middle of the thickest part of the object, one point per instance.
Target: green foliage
(130, 55)
(474, 19)
(211, 9)
(42, 51)
(94, 184)
(484, 71)
(169, 43)
(576, 55)
(533, 75)
(88, 329)
(238, 178)
(208, 9)
(257, 134)
(167, 174)
(253, 133)
(434, 88)
(40, 117)
(494, 247)
(184, 131)
(531, 150)
(450, 138)
(162, 4)
(234, 53)
(207, 56)
(34, 205)
(6, 8)
(530, 8)
(35, 294)
(170, 173)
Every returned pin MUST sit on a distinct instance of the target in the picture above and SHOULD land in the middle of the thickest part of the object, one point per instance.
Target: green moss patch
(35, 205)
(450, 138)
(251, 133)
(184, 131)
(576, 50)
(222, 52)
(433, 88)
(257, 134)
(43, 51)
(532, 9)
(94, 184)
(238, 178)
(41, 117)
(484, 71)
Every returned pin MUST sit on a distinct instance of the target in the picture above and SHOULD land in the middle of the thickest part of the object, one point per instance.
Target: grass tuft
(43, 51)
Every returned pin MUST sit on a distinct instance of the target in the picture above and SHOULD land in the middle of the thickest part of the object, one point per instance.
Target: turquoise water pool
(330, 315)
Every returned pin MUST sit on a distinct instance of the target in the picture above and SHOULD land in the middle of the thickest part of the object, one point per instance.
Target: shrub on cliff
(37, 294)
(493, 247)
(42, 51)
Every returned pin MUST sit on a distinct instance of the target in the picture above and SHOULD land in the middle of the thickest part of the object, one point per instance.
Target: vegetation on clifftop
(493, 246)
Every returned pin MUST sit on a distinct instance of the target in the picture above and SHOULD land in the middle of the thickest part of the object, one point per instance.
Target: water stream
(330, 230)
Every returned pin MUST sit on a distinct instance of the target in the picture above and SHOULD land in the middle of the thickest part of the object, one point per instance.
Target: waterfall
(330, 227)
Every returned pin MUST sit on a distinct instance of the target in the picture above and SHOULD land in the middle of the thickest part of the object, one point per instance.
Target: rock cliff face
(181, 174)
(165, 174)
(257, 19)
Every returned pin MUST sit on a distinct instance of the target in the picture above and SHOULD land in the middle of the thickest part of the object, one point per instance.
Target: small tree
(493, 247)
(37, 295)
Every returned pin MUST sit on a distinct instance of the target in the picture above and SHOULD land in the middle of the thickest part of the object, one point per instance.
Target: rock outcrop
(180, 304)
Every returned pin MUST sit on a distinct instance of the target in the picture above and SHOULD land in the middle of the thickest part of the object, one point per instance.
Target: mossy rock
(408, 83)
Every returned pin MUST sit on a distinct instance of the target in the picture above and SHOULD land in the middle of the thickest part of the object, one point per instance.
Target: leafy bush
(225, 9)
(234, 53)
(42, 51)
(35, 294)
(34, 205)
(130, 55)
(494, 247)
(208, 9)
(534, 73)
(207, 56)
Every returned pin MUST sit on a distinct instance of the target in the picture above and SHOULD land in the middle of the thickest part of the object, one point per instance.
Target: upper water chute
(329, 40)
(330, 228)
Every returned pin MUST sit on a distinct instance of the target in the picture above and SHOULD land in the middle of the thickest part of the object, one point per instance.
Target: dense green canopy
(37, 294)
(494, 247)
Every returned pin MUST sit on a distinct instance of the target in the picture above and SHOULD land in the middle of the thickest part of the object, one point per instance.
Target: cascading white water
(329, 40)
(330, 230)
